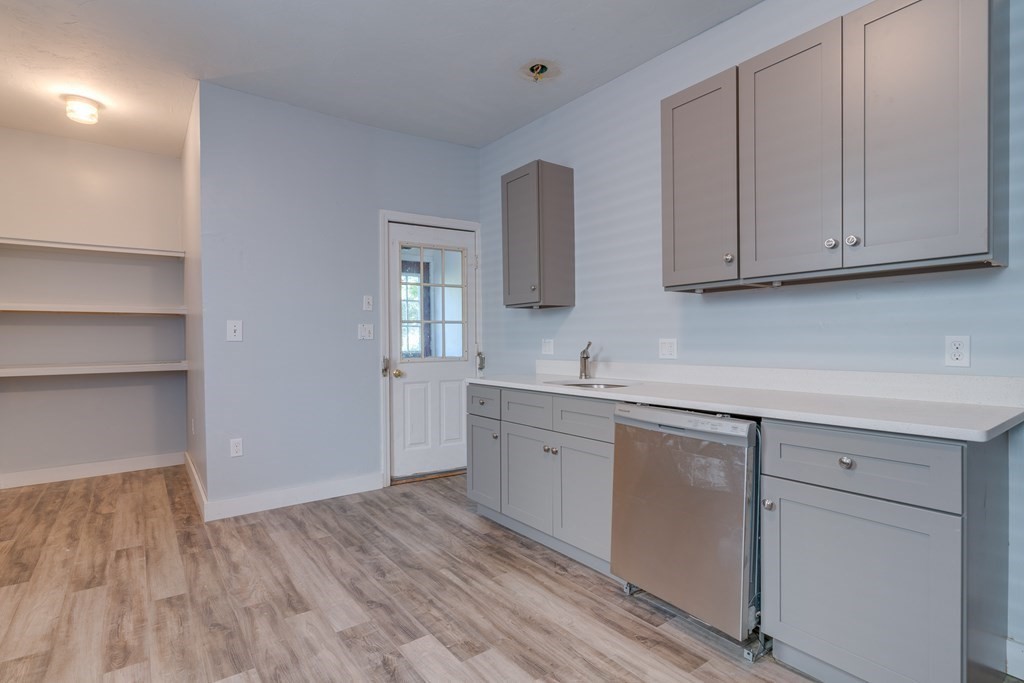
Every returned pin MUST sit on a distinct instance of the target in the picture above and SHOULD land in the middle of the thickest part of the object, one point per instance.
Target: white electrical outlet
(365, 331)
(667, 349)
(958, 351)
(234, 330)
(547, 347)
(367, 303)
(236, 448)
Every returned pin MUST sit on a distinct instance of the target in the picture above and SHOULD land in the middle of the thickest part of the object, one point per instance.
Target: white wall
(192, 243)
(290, 214)
(64, 190)
(611, 137)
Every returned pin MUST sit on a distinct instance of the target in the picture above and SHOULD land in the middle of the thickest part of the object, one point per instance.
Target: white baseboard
(1015, 658)
(47, 475)
(198, 490)
(278, 498)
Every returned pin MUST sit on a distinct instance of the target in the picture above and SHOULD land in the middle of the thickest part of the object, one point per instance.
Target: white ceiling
(443, 69)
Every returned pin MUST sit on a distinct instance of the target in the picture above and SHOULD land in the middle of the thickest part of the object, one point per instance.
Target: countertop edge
(903, 416)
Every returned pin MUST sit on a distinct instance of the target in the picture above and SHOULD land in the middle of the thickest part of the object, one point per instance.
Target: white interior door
(432, 333)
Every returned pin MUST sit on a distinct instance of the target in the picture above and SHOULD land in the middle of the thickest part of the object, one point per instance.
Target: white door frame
(384, 319)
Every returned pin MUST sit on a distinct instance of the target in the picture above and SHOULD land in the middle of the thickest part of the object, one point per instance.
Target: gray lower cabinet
(884, 557)
(483, 461)
(538, 236)
(558, 484)
(547, 464)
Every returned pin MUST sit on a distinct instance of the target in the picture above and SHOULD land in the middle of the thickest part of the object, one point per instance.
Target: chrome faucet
(585, 362)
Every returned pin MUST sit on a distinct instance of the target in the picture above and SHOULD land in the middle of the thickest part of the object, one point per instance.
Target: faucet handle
(585, 353)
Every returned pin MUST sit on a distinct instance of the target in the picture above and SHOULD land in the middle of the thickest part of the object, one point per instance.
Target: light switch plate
(234, 330)
(667, 349)
(365, 331)
(547, 347)
(367, 302)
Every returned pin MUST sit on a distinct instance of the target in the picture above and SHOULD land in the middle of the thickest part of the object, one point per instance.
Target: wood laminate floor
(116, 579)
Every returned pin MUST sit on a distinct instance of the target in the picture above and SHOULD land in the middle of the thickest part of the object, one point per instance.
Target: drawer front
(526, 408)
(585, 417)
(484, 401)
(914, 471)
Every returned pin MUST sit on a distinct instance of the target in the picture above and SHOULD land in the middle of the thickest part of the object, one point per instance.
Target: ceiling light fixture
(81, 109)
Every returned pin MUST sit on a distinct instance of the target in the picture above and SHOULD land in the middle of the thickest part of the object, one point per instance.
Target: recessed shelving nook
(92, 357)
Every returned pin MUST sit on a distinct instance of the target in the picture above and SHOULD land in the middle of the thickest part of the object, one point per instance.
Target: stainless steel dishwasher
(684, 513)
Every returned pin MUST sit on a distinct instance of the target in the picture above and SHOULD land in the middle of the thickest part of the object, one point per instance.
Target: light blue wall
(290, 215)
(611, 137)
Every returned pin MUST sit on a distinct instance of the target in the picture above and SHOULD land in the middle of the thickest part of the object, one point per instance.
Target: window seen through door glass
(432, 303)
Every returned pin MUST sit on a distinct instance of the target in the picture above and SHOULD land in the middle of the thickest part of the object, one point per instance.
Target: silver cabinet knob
(482, 402)
(852, 240)
(533, 288)
(494, 436)
(554, 451)
(546, 449)
(830, 243)
(728, 258)
(768, 504)
(846, 463)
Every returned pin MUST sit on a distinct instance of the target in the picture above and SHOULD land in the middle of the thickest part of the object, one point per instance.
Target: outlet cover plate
(547, 347)
(236, 448)
(958, 351)
(667, 349)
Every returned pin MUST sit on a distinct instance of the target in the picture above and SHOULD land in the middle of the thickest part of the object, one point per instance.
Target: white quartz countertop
(945, 420)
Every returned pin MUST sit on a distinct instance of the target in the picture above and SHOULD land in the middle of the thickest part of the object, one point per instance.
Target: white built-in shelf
(107, 249)
(91, 308)
(90, 369)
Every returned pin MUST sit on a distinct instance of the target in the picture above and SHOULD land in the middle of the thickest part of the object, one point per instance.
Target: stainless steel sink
(588, 385)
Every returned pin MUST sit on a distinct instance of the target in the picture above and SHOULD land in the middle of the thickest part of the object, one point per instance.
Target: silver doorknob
(728, 258)
(852, 240)
(554, 451)
(830, 243)
(768, 504)
(546, 449)
(494, 436)
(533, 288)
(397, 373)
(846, 463)
(483, 402)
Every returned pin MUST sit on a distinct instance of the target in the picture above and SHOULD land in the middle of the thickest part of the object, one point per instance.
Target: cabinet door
(520, 208)
(790, 146)
(483, 469)
(698, 183)
(870, 587)
(527, 468)
(915, 108)
(583, 494)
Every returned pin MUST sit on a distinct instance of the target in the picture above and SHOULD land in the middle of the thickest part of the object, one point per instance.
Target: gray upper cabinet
(790, 148)
(916, 115)
(537, 222)
(698, 179)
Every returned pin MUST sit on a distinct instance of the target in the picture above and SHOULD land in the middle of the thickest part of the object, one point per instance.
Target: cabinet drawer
(484, 401)
(585, 417)
(914, 471)
(526, 408)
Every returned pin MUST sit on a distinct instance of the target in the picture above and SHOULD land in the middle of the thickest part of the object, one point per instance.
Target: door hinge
(385, 363)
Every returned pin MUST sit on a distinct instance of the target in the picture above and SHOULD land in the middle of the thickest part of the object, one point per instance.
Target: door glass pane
(412, 341)
(453, 340)
(452, 267)
(432, 302)
(432, 266)
(410, 261)
(453, 305)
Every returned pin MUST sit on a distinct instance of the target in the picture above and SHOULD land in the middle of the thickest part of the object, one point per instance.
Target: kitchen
(611, 138)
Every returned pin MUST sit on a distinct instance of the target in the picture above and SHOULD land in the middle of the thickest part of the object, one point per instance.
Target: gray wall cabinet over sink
(867, 146)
